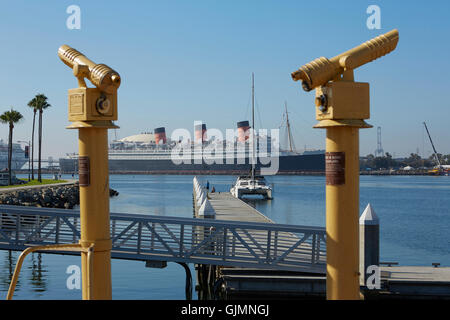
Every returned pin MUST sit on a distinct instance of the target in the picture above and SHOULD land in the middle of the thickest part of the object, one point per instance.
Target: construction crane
(439, 168)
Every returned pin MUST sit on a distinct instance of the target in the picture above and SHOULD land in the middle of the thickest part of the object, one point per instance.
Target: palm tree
(10, 117)
(39, 102)
(32, 104)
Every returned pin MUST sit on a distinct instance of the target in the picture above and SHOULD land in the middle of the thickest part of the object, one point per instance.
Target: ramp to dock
(161, 238)
(307, 247)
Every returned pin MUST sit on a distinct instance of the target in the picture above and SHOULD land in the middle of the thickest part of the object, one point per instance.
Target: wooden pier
(229, 208)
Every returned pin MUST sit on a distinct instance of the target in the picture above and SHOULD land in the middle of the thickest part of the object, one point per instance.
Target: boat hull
(293, 164)
(241, 192)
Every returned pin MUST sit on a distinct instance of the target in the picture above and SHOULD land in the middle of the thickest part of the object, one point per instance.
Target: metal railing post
(139, 237)
(269, 236)
(57, 230)
(275, 246)
(181, 239)
(17, 228)
(313, 251)
(224, 245)
(152, 242)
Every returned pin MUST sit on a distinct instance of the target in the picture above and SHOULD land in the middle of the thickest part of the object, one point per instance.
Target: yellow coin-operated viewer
(91, 111)
(341, 107)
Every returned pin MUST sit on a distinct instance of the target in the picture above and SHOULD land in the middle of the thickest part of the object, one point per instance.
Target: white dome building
(144, 138)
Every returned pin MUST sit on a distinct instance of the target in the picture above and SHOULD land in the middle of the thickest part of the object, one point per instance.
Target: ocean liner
(19, 156)
(154, 153)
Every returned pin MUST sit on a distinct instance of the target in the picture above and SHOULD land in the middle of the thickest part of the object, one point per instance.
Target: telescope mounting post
(91, 111)
(341, 107)
(347, 106)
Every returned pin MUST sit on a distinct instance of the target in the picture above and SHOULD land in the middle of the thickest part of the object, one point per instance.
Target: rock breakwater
(62, 196)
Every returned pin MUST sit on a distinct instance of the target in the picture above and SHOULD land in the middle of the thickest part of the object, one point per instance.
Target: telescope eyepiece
(315, 73)
(306, 86)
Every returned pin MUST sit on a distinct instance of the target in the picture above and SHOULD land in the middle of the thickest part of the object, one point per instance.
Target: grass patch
(34, 183)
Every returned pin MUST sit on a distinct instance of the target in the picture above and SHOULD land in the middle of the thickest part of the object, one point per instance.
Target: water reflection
(33, 270)
(38, 275)
(8, 267)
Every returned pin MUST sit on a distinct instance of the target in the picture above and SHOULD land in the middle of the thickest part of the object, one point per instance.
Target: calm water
(414, 220)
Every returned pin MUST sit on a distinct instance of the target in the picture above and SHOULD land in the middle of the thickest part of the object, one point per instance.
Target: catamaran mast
(253, 127)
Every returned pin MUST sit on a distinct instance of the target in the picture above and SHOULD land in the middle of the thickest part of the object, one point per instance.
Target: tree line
(11, 117)
(414, 161)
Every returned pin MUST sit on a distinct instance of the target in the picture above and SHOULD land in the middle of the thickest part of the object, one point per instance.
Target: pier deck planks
(229, 208)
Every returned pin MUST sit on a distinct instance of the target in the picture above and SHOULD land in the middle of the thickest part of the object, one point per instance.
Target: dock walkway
(306, 248)
(228, 207)
(309, 250)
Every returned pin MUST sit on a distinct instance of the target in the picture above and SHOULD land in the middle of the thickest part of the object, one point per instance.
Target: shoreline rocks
(65, 197)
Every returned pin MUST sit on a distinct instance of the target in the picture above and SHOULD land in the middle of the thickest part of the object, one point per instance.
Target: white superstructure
(18, 156)
(248, 185)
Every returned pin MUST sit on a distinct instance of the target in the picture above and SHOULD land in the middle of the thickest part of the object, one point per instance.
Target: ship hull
(292, 164)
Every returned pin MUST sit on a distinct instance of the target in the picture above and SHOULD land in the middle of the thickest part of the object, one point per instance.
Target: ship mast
(434, 149)
(288, 126)
(253, 127)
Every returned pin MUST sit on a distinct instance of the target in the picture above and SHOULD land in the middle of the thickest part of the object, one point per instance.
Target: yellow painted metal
(103, 77)
(94, 212)
(53, 247)
(345, 100)
(91, 111)
(92, 124)
(341, 112)
(341, 107)
(342, 123)
(342, 207)
(91, 104)
(322, 70)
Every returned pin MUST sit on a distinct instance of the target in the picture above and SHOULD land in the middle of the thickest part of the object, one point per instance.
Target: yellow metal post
(342, 190)
(94, 212)
(342, 207)
(341, 107)
(91, 111)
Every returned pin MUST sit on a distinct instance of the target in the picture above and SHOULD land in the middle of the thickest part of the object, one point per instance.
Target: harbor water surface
(414, 214)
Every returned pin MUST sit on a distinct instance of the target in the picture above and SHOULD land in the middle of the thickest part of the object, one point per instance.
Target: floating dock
(232, 282)
(248, 283)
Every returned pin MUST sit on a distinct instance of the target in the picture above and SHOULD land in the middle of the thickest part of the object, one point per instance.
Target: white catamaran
(252, 184)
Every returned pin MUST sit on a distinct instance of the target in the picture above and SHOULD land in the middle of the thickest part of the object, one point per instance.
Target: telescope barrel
(321, 70)
(368, 51)
(102, 76)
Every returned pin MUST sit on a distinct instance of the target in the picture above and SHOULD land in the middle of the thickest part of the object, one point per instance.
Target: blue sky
(182, 61)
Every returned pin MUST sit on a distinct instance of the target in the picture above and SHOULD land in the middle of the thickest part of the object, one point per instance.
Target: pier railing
(188, 240)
